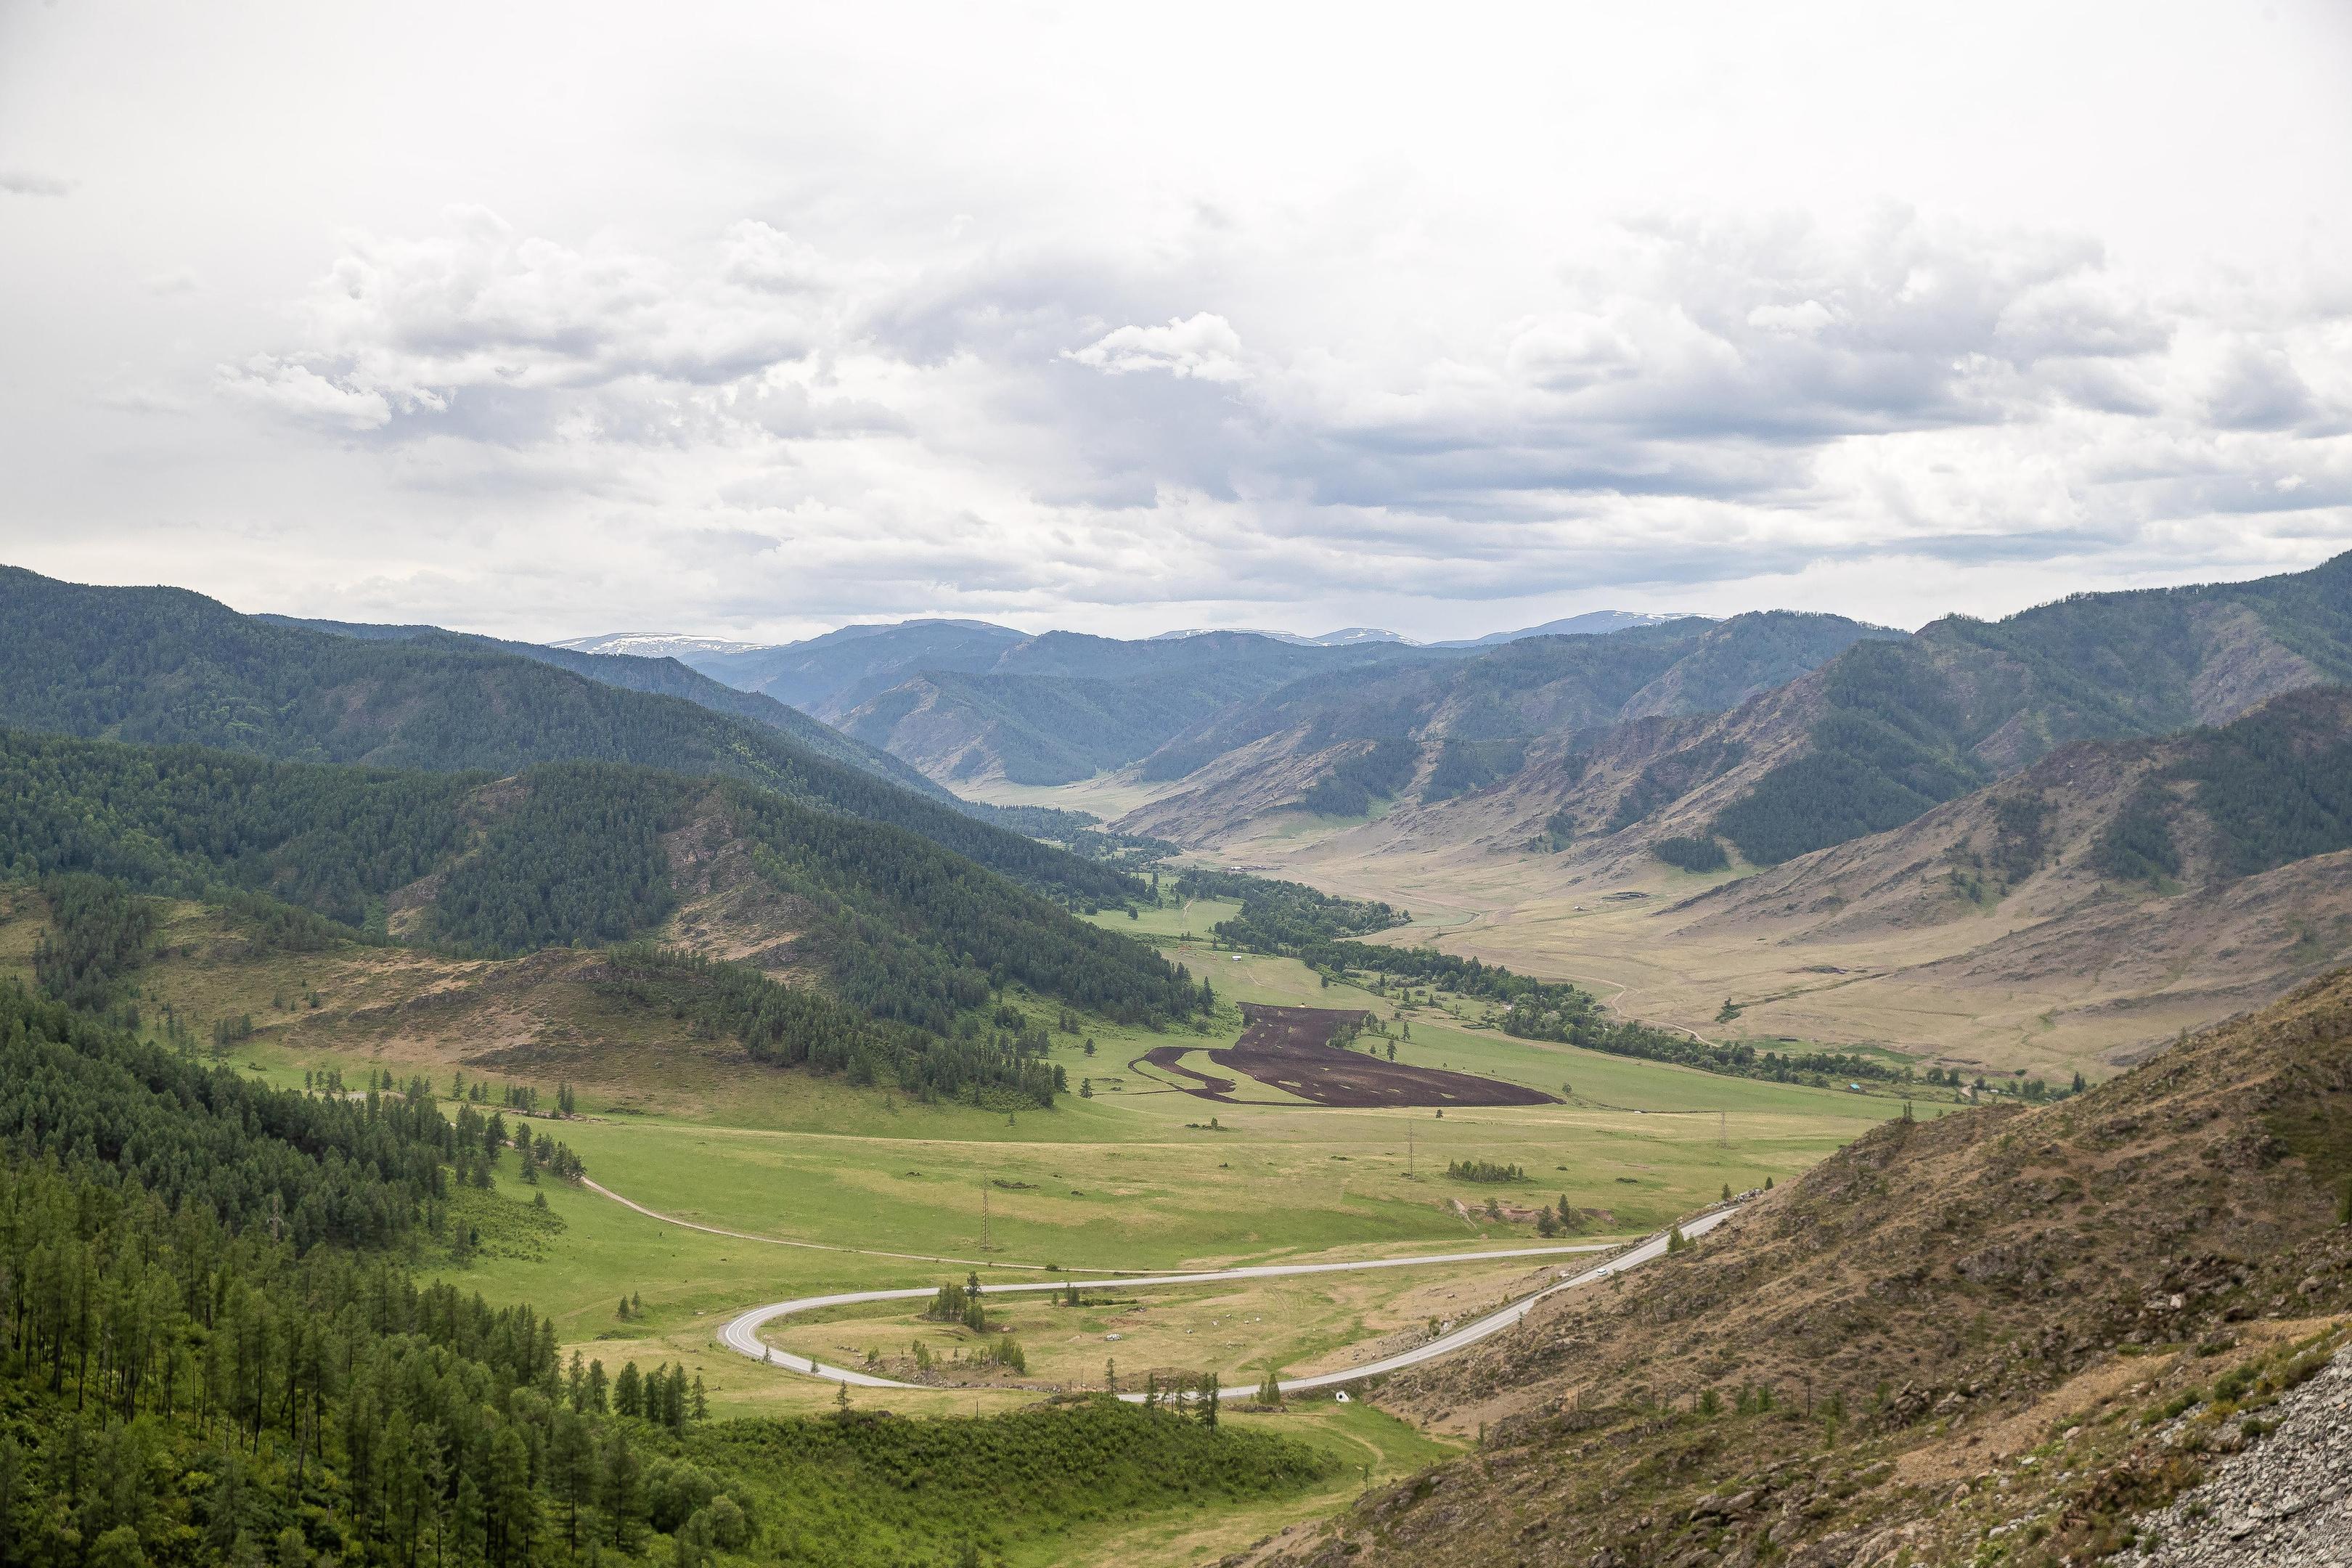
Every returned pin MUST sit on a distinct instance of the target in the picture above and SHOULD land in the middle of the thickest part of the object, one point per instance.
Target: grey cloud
(25, 182)
(2258, 389)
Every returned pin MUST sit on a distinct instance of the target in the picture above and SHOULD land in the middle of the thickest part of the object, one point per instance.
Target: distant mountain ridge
(1457, 723)
(829, 674)
(967, 700)
(653, 644)
(664, 677)
(1063, 706)
(1879, 733)
(1593, 623)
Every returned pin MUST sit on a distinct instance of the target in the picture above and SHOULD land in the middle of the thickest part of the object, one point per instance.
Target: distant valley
(1848, 780)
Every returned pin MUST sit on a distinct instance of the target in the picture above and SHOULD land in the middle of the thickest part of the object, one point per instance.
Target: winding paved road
(742, 1333)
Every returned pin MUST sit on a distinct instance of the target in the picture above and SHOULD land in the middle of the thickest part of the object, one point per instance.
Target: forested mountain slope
(898, 929)
(1995, 1337)
(1890, 731)
(1431, 731)
(2187, 876)
(164, 666)
(661, 677)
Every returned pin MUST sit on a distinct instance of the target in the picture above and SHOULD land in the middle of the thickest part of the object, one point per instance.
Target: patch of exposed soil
(1291, 1050)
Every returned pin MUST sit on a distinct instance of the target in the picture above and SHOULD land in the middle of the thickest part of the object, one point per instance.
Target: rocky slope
(2282, 1501)
(2001, 1336)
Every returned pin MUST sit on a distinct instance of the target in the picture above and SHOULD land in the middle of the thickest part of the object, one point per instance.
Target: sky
(749, 321)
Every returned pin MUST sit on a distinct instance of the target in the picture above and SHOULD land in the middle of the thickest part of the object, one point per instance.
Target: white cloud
(1794, 320)
(1202, 347)
(298, 393)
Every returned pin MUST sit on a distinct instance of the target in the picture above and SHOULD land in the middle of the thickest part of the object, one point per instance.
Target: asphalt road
(741, 1334)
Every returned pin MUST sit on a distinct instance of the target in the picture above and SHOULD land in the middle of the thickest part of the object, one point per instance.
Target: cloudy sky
(552, 319)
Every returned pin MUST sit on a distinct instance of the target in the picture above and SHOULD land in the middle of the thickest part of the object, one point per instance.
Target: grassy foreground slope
(1948, 1343)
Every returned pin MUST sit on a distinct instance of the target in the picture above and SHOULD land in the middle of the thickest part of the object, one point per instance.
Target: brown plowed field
(1290, 1048)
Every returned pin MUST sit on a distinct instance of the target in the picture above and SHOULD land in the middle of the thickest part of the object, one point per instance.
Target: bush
(675, 1492)
(1484, 1171)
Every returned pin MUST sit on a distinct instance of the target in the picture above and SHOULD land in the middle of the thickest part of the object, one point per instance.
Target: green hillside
(570, 854)
(163, 666)
(660, 678)
(1906, 726)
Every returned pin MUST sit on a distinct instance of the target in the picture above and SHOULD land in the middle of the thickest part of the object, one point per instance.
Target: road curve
(741, 1334)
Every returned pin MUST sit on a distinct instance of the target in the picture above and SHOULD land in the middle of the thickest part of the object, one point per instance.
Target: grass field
(1134, 1177)
(1138, 1176)
(1240, 1330)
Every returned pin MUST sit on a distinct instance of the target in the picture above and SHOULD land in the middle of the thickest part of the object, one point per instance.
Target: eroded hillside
(1948, 1334)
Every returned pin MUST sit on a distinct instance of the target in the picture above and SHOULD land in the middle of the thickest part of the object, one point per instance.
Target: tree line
(793, 1026)
(1283, 916)
(1566, 1014)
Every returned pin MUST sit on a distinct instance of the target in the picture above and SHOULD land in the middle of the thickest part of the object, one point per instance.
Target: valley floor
(2001, 990)
(1130, 1174)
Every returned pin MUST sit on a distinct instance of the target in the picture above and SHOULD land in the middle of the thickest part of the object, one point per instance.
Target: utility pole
(1722, 1128)
(1408, 1145)
(983, 1219)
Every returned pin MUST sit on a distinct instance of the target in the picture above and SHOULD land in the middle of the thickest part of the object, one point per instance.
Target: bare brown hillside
(2020, 1327)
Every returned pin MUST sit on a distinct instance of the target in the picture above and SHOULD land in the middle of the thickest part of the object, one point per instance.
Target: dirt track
(1290, 1048)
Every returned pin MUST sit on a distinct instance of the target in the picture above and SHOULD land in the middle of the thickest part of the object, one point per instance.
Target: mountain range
(166, 667)
(1879, 781)
(1885, 785)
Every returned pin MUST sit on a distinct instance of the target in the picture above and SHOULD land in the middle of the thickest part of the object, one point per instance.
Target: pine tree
(621, 1494)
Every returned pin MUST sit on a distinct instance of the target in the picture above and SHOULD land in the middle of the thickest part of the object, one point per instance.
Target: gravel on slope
(2285, 1501)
